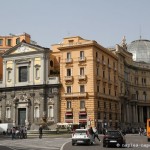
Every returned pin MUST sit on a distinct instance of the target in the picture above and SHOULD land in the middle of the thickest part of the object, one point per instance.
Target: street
(132, 142)
(64, 143)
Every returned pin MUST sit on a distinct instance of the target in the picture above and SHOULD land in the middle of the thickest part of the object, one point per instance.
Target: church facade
(28, 94)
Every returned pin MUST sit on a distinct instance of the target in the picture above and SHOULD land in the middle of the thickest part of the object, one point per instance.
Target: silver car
(82, 136)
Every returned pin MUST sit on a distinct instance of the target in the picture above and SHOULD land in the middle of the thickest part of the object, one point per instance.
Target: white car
(82, 136)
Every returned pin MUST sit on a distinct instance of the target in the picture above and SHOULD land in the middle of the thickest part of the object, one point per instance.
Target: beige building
(89, 78)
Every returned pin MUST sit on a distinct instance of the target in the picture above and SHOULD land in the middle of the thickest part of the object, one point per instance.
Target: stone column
(4, 73)
(136, 113)
(42, 71)
(31, 72)
(142, 120)
(14, 114)
(133, 113)
(13, 73)
(128, 119)
(27, 121)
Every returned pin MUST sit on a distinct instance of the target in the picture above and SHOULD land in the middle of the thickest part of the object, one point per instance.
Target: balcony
(82, 59)
(77, 94)
(97, 60)
(83, 109)
(115, 69)
(81, 77)
(53, 80)
(103, 62)
(69, 60)
(69, 109)
(68, 78)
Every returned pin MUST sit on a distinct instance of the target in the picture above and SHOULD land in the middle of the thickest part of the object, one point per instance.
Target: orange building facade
(89, 78)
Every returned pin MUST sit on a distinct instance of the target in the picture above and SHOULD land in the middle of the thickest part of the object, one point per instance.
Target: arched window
(51, 63)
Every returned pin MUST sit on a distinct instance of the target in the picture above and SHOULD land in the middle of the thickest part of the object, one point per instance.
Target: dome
(140, 50)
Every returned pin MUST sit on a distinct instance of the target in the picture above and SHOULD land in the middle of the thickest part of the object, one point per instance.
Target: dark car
(114, 138)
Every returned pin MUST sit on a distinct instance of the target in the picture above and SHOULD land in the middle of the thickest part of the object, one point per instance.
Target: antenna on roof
(140, 33)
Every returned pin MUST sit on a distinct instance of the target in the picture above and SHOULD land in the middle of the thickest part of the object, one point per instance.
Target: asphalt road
(64, 143)
(133, 142)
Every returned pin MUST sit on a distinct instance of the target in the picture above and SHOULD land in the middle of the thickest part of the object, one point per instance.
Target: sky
(49, 21)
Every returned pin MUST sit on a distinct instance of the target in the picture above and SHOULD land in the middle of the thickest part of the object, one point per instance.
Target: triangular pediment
(23, 49)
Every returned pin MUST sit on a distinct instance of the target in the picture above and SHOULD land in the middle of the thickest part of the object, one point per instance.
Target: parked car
(81, 136)
(114, 138)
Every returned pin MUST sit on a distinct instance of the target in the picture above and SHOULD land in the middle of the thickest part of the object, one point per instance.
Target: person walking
(91, 132)
(13, 132)
(96, 134)
(40, 131)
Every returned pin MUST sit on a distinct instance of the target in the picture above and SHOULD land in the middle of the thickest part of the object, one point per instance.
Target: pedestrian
(40, 131)
(96, 134)
(13, 132)
(91, 132)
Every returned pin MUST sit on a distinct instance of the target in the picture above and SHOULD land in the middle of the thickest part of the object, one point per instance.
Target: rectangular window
(82, 104)
(23, 74)
(68, 72)
(97, 71)
(8, 42)
(1, 41)
(7, 112)
(82, 89)
(104, 90)
(68, 104)
(37, 73)
(9, 75)
(97, 88)
(36, 112)
(17, 40)
(51, 111)
(68, 55)
(68, 89)
(81, 54)
(81, 71)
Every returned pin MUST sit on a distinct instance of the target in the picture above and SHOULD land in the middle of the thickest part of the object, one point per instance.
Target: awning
(68, 114)
(82, 113)
(82, 120)
(69, 120)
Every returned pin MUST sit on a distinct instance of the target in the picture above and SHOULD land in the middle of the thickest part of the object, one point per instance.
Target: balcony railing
(77, 94)
(83, 109)
(68, 78)
(69, 109)
(82, 77)
(69, 60)
(81, 59)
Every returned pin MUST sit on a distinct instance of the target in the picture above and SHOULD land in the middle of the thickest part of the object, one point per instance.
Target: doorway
(21, 116)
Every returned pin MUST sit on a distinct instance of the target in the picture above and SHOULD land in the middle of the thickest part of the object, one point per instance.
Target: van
(5, 126)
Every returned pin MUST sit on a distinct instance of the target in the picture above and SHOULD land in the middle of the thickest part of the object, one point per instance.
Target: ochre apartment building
(89, 79)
